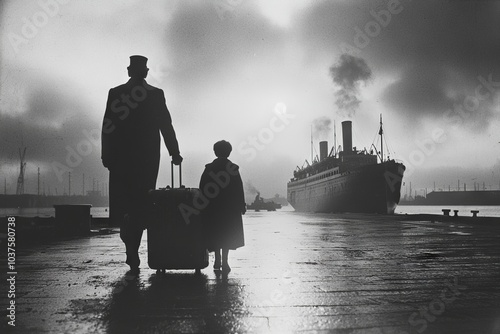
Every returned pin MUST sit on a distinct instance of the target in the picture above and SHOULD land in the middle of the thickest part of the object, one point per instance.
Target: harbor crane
(20, 179)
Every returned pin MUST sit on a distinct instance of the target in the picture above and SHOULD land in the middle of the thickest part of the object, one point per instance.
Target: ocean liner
(350, 181)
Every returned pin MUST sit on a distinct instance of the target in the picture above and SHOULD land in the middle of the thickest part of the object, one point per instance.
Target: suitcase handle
(180, 174)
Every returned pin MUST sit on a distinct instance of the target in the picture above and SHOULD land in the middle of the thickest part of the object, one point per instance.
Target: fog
(260, 74)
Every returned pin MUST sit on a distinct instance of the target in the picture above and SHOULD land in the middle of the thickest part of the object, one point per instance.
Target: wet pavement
(298, 272)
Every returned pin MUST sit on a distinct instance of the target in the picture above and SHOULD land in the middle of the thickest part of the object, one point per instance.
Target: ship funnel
(347, 136)
(323, 150)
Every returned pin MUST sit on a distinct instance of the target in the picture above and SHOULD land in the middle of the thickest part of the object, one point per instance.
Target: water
(464, 210)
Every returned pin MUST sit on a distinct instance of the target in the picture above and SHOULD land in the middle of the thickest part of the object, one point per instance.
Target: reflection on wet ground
(297, 272)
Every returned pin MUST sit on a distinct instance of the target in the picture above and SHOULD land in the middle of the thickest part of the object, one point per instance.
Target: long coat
(222, 188)
(135, 116)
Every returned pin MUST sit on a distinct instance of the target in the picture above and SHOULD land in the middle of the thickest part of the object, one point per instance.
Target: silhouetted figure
(135, 115)
(221, 185)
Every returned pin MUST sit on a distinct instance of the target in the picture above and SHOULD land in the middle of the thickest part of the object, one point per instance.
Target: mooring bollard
(456, 213)
(446, 212)
(474, 213)
(73, 219)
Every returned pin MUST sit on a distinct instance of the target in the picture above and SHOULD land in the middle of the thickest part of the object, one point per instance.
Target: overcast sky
(259, 74)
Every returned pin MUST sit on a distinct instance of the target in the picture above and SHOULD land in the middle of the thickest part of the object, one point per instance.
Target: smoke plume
(250, 188)
(322, 127)
(349, 73)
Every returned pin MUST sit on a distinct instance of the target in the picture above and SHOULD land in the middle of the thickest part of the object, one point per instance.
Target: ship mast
(334, 139)
(381, 132)
(311, 144)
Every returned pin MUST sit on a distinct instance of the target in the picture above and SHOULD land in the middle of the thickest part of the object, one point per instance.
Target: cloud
(429, 92)
(421, 91)
(55, 127)
(203, 46)
(434, 51)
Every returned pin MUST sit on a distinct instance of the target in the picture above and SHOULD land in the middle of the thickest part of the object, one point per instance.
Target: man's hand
(177, 159)
(106, 163)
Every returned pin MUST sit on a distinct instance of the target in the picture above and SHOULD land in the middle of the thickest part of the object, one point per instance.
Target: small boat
(259, 204)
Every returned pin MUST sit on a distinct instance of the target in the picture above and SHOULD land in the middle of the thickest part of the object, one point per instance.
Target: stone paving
(297, 273)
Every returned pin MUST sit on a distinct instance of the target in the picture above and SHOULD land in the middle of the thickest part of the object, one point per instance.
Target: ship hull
(368, 189)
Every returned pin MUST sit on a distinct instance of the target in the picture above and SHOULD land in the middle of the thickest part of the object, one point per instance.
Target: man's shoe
(226, 268)
(134, 270)
(217, 266)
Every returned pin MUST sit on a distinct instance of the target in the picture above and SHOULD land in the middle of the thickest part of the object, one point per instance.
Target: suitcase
(175, 240)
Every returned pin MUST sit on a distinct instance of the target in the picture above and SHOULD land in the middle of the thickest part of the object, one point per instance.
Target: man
(135, 115)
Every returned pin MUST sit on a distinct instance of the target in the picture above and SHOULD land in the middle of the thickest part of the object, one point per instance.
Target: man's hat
(138, 62)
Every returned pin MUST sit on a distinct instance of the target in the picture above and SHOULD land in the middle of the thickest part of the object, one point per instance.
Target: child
(222, 188)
